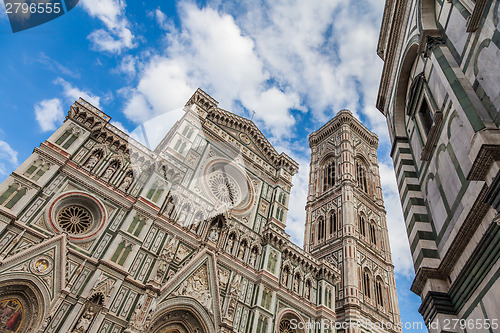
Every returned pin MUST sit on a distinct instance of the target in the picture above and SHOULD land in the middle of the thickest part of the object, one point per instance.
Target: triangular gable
(45, 261)
(197, 280)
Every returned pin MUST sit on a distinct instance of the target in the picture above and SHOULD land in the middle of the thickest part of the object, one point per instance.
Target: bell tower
(346, 223)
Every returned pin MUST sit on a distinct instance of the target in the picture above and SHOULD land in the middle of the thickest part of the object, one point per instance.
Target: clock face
(228, 185)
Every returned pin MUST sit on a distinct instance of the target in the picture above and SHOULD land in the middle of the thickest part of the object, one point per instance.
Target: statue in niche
(92, 161)
(108, 173)
(253, 258)
(127, 181)
(84, 322)
(241, 251)
(214, 234)
(229, 245)
(296, 284)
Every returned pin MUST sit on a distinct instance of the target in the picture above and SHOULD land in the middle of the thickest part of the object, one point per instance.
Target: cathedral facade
(440, 94)
(100, 232)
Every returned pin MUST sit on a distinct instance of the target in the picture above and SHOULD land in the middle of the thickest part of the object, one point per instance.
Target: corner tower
(346, 223)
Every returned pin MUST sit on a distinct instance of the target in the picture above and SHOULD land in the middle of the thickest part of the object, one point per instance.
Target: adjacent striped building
(440, 94)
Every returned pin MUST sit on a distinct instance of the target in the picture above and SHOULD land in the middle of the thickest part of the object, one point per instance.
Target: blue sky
(293, 63)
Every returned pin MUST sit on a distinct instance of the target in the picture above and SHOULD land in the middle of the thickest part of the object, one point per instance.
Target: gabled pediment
(196, 280)
(44, 262)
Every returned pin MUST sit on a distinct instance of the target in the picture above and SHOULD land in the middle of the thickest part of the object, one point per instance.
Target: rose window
(285, 327)
(74, 219)
(224, 188)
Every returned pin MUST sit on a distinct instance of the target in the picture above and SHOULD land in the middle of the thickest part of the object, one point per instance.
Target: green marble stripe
(417, 218)
(409, 187)
(484, 257)
(425, 253)
(421, 235)
(459, 91)
(413, 202)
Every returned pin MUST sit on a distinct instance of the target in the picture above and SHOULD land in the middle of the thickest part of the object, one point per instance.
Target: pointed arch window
(37, 169)
(366, 283)
(12, 195)
(121, 253)
(380, 293)
(329, 174)
(361, 176)
(373, 236)
(67, 139)
(321, 229)
(361, 225)
(156, 191)
(333, 223)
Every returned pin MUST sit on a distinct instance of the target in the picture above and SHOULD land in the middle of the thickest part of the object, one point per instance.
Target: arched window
(361, 176)
(12, 195)
(333, 222)
(321, 229)
(156, 191)
(37, 170)
(312, 233)
(361, 225)
(373, 237)
(329, 174)
(380, 294)
(366, 284)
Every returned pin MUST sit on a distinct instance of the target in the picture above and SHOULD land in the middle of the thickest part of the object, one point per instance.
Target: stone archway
(178, 321)
(290, 322)
(21, 306)
(181, 315)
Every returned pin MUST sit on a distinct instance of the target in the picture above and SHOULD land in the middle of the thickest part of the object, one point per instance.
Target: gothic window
(65, 140)
(366, 283)
(262, 324)
(361, 176)
(333, 222)
(156, 191)
(373, 236)
(37, 170)
(121, 253)
(267, 296)
(328, 174)
(12, 195)
(321, 229)
(271, 263)
(137, 225)
(93, 159)
(188, 131)
(180, 146)
(279, 214)
(361, 225)
(380, 295)
(425, 115)
(312, 233)
(329, 298)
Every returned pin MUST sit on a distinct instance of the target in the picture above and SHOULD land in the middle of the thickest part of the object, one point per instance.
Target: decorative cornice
(342, 117)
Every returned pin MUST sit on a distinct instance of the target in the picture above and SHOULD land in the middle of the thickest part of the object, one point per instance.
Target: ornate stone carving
(196, 286)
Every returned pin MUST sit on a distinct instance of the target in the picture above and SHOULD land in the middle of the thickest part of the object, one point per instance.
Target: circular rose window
(74, 219)
(78, 214)
(228, 185)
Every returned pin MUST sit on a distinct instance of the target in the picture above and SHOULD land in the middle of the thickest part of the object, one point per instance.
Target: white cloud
(117, 35)
(8, 158)
(401, 256)
(49, 114)
(211, 52)
(73, 93)
(127, 65)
